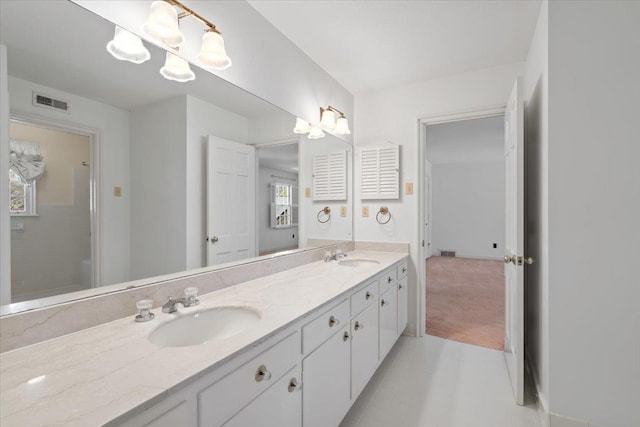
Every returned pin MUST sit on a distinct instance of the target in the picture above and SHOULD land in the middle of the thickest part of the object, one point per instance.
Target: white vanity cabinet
(327, 382)
(307, 375)
(279, 405)
(388, 320)
(364, 348)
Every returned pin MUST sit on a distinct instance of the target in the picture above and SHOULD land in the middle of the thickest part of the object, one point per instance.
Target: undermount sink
(356, 262)
(204, 326)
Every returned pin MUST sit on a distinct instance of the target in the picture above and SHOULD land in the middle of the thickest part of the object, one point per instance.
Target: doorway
(277, 196)
(464, 204)
(51, 182)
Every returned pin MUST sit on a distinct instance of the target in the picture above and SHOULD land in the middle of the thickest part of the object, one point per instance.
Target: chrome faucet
(334, 256)
(189, 300)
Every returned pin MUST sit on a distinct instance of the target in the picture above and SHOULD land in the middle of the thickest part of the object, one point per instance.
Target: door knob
(508, 259)
(213, 239)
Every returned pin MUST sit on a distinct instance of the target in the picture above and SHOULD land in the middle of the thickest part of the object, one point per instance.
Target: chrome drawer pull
(293, 385)
(263, 373)
(358, 326)
(333, 321)
(368, 296)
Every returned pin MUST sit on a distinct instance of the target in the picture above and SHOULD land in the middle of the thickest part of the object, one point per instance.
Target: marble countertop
(99, 374)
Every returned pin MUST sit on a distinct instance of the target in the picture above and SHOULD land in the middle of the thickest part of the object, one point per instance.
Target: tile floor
(433, 382)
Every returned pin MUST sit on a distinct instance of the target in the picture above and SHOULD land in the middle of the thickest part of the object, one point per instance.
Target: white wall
(393, 115)
(265, 62)
(204, 119)
(594, 206)
(468, 208)
(113, 126)
(158, 188)
(536, 93)
(273, 239)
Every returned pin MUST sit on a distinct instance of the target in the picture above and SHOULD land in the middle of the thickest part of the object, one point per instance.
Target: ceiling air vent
(41, 100)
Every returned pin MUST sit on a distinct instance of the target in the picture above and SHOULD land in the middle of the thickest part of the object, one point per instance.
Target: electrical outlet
(343, 211)
(408, 188)
(307, 192)
(365, 211)
(117, 191)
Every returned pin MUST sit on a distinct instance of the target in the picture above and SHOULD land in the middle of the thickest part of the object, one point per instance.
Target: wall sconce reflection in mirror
(162, 26)
(383, 216)
(327, 121)
(324, 215)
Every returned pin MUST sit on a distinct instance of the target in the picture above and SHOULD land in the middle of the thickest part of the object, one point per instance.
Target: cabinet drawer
(361, 299)
(402, 270)
(218, 402)
(322, 327)
(387, 280)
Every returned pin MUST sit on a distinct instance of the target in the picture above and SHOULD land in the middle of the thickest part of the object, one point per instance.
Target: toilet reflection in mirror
(171, 177)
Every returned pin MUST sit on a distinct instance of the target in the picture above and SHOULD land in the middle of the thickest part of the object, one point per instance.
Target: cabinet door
(388, 320)
(402, 305)
(327, 382)
(364, 349)
(279, 405)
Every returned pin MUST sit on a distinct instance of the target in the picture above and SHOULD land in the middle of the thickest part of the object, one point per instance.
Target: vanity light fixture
(126, 46)
(315, 133)
(213, 54)
(162, 24)
(328, 120)
(177, 69)
(301, 126)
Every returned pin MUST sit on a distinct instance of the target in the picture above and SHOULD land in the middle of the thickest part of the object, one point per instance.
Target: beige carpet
(465, 300)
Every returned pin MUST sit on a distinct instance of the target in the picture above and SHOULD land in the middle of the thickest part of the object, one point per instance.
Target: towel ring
(383, 211)
(327, 211)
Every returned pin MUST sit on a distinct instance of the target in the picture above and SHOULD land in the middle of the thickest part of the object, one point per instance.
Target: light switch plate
(343, 211)
(408, 188)
(365, 211)
(307, 192)
(117, 191)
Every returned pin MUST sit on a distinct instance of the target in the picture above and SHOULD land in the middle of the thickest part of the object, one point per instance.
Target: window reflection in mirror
(148, 197)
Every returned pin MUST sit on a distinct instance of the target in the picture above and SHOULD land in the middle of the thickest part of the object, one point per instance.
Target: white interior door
(231, 203)
(514, 241)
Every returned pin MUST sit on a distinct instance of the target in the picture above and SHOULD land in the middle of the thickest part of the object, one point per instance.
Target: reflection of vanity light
(301, 126)
(126, 46)
(342, 126)
(36, 380)
(315, 133)
(176, 68)
(213, 54)
(327, 118)
(162, 24)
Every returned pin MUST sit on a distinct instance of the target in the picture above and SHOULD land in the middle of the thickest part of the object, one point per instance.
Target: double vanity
(289, 349)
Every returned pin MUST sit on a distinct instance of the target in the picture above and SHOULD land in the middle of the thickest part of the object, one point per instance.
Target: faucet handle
(144, 310)
(190, 295)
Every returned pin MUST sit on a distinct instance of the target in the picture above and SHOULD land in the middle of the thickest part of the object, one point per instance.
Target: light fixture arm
(190, 12)
(335, 110)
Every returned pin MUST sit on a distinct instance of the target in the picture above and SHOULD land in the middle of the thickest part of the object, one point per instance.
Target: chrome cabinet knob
(262, 373)
(368, 296)
(404, 270)
(383, 303)
(357, 326)
(400, 286)
(213, 239)
(389, 279)
(333, 321)
(294, 385)
(346, 337)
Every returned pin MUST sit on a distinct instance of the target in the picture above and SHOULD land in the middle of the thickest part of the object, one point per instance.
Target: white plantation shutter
(330, 176)
(380, 172)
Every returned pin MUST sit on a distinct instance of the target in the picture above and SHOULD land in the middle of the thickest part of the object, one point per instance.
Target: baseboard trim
(561, 421)
(541, 404)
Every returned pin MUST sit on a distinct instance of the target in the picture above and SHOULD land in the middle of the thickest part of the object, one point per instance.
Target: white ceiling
(467, 141)
(371, 45)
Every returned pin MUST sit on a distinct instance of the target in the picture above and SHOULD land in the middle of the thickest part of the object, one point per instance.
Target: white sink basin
(204, 326)
(356, 262)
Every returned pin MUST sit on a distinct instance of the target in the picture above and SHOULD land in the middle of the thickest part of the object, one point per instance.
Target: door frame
(94, 179)
(423, 122)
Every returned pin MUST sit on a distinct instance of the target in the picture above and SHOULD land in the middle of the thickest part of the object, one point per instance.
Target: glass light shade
(176, 68)
(126, 46)
(301, 126)
(342, 126)
(212, 54)
(315, 133)
(328, 119)
(162, 24)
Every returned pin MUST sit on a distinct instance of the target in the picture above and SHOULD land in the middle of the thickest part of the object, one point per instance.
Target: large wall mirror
(120, 175)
